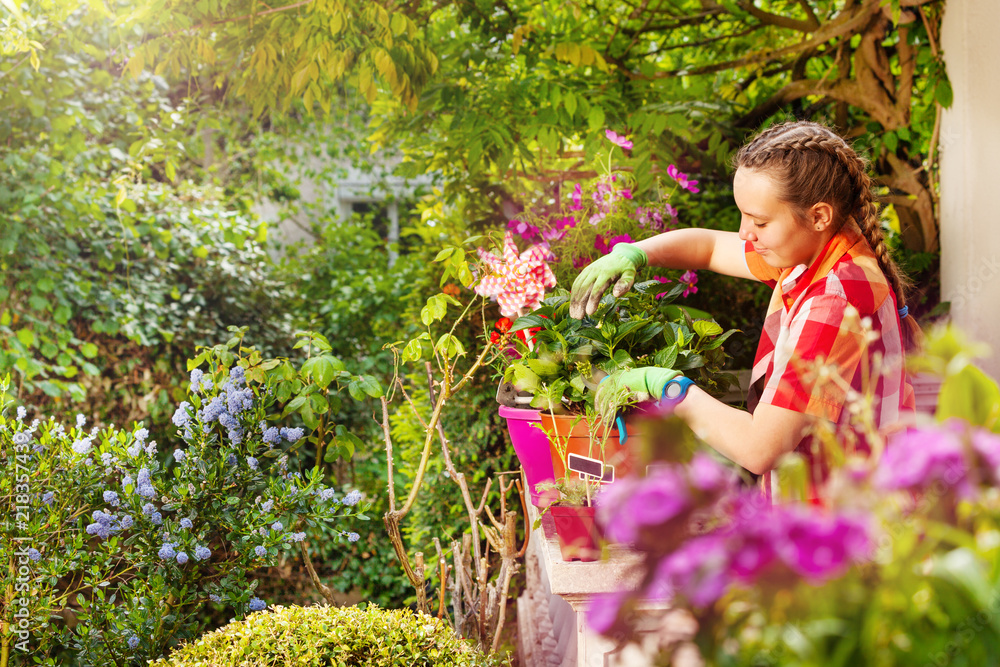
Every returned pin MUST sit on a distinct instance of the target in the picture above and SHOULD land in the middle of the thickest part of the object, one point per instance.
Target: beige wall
(970, 172)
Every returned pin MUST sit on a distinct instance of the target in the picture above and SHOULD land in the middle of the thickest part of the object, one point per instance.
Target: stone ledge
(614, 572)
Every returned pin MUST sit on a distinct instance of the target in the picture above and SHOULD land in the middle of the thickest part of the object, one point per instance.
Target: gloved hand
(642, 383)
(588, 288)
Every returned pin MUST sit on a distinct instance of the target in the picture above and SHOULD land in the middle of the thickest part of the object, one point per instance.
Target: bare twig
(388, 454)
(443, 568)
(320, 586)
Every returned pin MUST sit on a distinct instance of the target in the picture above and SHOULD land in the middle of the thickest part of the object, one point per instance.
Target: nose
(746, 231)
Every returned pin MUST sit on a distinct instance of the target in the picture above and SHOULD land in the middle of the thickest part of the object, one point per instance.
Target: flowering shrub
(601, 213)
(128, 538)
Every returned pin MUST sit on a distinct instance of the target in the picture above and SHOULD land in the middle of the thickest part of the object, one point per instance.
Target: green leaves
(436, 308)
(364, 385)
(971, 395)
(323, 369)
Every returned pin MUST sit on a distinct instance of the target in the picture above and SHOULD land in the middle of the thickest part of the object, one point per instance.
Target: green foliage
(569, 357)
(320, 636)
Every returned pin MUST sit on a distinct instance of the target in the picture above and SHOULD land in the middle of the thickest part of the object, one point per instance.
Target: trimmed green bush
(320, 636)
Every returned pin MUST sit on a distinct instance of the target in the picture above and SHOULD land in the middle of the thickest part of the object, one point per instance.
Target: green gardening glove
(639, 383)
(620, 265)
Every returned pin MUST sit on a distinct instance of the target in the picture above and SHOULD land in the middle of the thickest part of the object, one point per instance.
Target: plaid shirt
(815, 319)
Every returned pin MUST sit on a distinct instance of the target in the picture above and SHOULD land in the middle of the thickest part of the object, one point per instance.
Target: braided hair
(810, 163)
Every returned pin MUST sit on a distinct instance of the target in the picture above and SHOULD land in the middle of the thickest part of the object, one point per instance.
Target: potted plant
(568, 358)
(573, 515)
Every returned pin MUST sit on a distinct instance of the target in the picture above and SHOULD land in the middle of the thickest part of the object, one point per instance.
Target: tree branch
(807, 26)
(320, 586)
(845, 24)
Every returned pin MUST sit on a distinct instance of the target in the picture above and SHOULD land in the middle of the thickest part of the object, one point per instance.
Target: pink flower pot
(532, 448)
(577, 532)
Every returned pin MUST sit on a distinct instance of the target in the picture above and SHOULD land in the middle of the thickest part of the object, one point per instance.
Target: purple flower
(353, 537)
(202, 553)
(618, 140)
(48, 497)
(276, 526)
(256, 604)
(630, 506)
(752, 548)
(214, 598)
(156, 518)
(260, 551)
(272, 436)
(238, 376)
(142, 434)
(34, 554)
(111, 497)
(179, 455)
(22, 412)
(817, 546)
(166, 552)
(82, 446)
(187, 523)
(182, 417)
(182, 558)
(267, 505)
(133, 642)
(126, 522)
(603, 613)
(215, 408)
(148, 509)
(80, 421)
(252, 462)
(698, 570)
(352, 498)
(917, 458)
(292, 434)
(297, 537)
(706, 474)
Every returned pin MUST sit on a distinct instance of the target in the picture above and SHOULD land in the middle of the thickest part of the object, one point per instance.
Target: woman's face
(769, 224)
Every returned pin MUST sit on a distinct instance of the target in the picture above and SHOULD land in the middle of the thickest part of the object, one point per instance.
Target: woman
(810, 229)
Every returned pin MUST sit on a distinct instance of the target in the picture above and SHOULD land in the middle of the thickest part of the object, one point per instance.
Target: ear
(821, 216)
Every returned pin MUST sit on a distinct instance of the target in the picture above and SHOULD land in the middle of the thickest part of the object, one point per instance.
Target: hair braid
(812, 163)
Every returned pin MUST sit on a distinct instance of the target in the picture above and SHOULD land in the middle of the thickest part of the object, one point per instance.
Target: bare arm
(753, 441)
(698, 249)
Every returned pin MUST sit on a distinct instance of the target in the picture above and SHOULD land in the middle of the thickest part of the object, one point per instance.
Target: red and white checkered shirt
(839, 312)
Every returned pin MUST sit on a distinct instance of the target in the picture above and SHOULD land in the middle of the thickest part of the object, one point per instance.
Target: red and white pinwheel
(518, 281)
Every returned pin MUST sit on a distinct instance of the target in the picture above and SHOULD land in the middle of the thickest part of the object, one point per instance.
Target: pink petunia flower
(618, 140)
